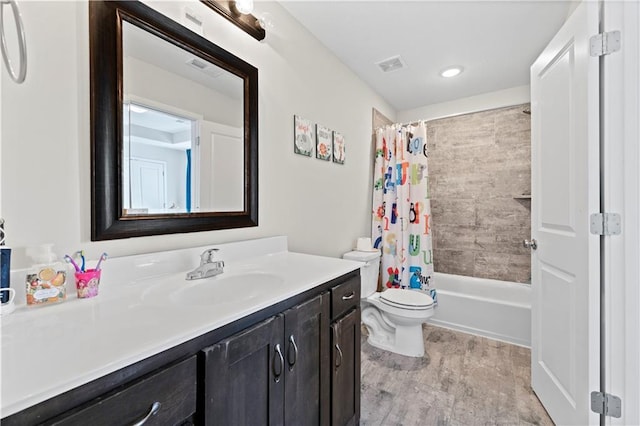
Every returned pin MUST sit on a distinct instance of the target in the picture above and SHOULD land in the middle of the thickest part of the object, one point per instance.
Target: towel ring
(19, 78)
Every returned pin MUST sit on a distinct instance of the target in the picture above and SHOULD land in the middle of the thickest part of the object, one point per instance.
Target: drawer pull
(154, 409)
(292, 357)
(339, 357)
(278, 366)
(349, 296)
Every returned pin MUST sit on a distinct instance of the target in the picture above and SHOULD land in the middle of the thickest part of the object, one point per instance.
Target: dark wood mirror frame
(107, 219)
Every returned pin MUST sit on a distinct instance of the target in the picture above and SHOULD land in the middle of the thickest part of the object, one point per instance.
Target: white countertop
(51, 349)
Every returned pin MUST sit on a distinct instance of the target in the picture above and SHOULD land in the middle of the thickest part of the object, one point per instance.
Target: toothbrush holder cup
(87, 283)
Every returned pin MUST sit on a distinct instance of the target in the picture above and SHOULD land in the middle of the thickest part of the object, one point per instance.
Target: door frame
(621, 190)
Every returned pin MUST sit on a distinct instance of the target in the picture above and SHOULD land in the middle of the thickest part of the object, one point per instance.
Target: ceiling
(495, 42)
(146, 47)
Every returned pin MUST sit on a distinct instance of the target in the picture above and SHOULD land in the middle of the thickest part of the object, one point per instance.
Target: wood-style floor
(461, 380)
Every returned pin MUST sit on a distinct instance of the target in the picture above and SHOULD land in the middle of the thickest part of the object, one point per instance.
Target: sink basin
(227, 288)
(223, 288)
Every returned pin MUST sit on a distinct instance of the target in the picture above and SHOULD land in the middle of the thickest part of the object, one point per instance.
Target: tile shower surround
(478, 163)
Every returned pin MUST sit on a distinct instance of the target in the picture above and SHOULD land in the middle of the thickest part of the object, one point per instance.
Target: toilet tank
(368, 271)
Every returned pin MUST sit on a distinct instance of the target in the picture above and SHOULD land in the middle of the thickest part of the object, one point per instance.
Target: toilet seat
(406, 299)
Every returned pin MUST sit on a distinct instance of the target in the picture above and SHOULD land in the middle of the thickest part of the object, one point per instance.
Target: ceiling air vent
(391, 64)
(198, 63)
(205, 67)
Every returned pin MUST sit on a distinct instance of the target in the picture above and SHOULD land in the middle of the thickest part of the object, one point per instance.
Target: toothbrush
(81, 254)
(70, 260)
(102, 258)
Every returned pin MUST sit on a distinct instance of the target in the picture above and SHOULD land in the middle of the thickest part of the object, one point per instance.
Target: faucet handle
(207, 255)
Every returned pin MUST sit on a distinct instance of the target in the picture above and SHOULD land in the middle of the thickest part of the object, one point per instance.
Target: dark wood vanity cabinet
(345, 369)
(307, 380)
(345, 353)
(273, 373)
(244, 377)
(294, 363)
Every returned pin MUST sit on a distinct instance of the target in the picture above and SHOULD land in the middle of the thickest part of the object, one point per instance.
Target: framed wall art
(338, 148)
(323, 143)
(303, 136)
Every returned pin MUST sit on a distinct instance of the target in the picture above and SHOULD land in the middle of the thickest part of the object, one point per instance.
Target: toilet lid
(407, 299)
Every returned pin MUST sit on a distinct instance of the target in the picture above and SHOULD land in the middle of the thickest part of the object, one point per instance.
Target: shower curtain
(401, 226)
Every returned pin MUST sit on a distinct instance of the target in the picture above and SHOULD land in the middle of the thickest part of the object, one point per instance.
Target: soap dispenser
(46, 279)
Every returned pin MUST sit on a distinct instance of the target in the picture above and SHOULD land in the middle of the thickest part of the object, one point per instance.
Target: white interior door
(148, 186)
(565, 337)
(221, 168)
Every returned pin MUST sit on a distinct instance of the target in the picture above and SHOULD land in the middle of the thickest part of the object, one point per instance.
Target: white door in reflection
(222, 180)
(148, 184)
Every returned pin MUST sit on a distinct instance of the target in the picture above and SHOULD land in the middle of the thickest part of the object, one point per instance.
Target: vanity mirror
(174, 121)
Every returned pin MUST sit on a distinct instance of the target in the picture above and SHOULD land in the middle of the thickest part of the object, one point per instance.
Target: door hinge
(197, 140)
(605, 43)
(606, 224)
(606, 404)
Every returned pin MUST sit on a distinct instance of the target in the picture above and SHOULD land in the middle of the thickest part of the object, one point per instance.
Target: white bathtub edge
(479, 332)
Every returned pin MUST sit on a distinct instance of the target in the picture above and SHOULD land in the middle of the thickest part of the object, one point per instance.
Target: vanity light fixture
(239, 12)
(244, 6)
(451, 71)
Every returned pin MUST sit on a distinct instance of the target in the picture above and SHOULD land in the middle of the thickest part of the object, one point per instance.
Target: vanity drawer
(174, 388)
(345, 296)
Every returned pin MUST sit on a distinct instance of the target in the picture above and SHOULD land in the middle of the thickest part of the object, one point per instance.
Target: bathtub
(499, 310)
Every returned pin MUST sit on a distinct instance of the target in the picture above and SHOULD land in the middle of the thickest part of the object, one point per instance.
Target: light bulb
(244, 6)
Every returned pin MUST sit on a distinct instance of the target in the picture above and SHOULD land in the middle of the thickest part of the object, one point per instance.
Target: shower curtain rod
(411, 123)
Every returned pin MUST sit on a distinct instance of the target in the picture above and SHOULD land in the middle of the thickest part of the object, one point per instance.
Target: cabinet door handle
(155, 407)
(349, 296)
(292, 356)
(339, 357)
(278, 363)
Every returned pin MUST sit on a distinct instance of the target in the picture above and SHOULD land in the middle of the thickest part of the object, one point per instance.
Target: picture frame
(324, 143)
(303, 136)
(339, 148)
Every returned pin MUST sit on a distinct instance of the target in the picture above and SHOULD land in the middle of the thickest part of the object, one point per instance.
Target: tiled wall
(479, 164)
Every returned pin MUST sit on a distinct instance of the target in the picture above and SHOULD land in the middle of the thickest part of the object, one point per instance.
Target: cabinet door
(307, 378)
(345, 365)
(244, 377)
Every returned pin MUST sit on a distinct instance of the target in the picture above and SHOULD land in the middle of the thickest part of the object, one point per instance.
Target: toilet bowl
(393, 317)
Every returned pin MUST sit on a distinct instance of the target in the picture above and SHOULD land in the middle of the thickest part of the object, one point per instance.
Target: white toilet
(393, 317)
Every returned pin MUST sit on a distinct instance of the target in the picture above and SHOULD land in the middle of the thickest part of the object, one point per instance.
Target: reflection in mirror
(183, 146)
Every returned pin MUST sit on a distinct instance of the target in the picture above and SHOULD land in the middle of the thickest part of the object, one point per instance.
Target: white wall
(322, 207)
(486, 101)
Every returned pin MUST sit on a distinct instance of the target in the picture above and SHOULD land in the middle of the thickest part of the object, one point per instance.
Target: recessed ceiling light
(451, 71)
(137, 109)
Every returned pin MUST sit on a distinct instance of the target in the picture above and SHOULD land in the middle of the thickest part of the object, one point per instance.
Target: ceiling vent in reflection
(391, 64)
(205, 67)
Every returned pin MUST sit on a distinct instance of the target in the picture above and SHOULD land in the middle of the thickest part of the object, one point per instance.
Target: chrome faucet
(209, 267)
